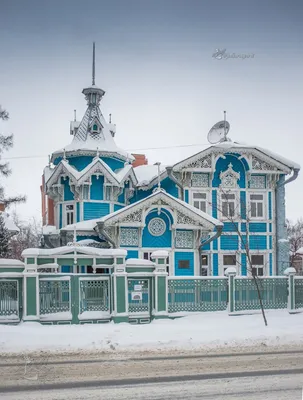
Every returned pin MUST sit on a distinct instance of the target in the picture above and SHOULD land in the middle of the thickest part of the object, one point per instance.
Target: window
(108, 192)
(204, 265)
(183, 264)
(199, 200)
(95, 127)
(256, 205)
(85, 192)
(257, 261)
(69, 214)
(229, 260)
(228, 204)
(147, 256)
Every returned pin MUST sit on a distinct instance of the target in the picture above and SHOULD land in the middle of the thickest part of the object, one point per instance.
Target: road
(213, 376)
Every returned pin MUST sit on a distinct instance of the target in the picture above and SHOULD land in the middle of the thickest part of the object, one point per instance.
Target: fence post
(231, 273)
(120, 287)
(160, 279)
(291, 272)
(31, 301)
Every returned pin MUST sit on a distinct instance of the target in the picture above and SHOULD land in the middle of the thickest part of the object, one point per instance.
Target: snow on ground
(198, 331)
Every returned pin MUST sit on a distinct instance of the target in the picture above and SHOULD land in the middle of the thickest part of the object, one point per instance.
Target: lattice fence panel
(9, 299)
(54, 296)
(197, 295)
(298, 292)
(94, 295)
(273, 293)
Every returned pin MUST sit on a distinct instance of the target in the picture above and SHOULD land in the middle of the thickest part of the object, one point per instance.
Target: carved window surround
(229, 178)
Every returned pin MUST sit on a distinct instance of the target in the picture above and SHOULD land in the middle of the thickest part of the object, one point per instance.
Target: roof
(146, 173)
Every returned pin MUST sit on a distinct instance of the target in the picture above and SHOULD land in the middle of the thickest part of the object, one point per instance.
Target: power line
(130, 150)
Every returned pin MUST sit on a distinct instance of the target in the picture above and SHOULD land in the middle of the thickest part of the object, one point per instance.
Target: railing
(54, 294)
(298, 282)
(197, 294)
(273, 291)
(9, 299)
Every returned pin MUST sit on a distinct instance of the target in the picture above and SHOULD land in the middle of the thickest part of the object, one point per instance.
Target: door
(139, 297)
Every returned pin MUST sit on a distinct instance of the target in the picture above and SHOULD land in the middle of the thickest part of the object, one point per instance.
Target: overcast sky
(163, 86)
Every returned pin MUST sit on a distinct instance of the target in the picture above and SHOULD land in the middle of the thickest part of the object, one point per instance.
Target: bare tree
(29, 236)
(236, 213)
(6, 143)
(295, 238)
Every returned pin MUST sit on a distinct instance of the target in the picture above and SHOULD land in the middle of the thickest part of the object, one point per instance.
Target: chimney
(140, 159)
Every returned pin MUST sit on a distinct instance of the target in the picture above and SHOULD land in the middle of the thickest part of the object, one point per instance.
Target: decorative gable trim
(229, 178)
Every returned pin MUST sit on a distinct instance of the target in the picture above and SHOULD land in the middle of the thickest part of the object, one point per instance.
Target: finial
(49, 160)
(64, 155)
(97, 154)
(159, 181)
(225, 133)
(75, 234)
(75, 115)
(93, 72)
(110, 118)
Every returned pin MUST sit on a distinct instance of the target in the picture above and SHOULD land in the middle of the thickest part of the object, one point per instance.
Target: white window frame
(149, 253)
(65, 205)
(206, 200)
(236, 265)
(263, 202)
(205, 266)
(236, 201)
(108, 188)
(86, 186)
(259, 266)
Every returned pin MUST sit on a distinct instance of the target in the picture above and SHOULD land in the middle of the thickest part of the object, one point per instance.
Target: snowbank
(200, 331)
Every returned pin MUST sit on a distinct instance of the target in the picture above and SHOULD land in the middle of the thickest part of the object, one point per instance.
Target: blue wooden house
(203, 210)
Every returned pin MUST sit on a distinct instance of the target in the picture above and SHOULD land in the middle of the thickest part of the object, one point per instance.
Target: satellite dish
(219, 131)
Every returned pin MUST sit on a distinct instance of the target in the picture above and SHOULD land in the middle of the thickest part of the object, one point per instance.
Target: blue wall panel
(148, 240)
(257, 227)
(243, 204)
(95, 210)
(78, 212)
(68, 195)
(270, 242)
(222, 165)
(131, 254)
(270, 264)
(186, 196)
(66, 269)
(229, 242)
(117, 207)
(113, 163)
(257, 242)
(230, 227)
(96, 189)
(140, 194)
(215, 244)
(80, 162)
(215, 264)
(269, 206)
(171, 188)
(60, 216)
(243, 264)
(184, 256)
(214, 203)
(121, 197)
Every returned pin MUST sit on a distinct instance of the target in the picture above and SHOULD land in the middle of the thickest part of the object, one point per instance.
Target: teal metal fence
(138, 296)
(298, 281)
(9, 299)
(273, 291)
(94, 295)
(54, 295)
(197, 294)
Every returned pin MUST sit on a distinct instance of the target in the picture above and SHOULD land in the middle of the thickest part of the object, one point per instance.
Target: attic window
(95, 127)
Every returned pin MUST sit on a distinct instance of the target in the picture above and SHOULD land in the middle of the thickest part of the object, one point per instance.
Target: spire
(94, 61)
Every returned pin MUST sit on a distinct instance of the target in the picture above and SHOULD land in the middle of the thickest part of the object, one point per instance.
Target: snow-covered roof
(6, 262)
(87, 140)
(97, 164)
(49, 230)
(9, 223)
(147, 173)
(82, 226)
(159, 195)
(92, 251)
(280, 162)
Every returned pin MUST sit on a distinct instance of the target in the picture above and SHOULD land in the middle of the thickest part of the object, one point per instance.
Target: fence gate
(9, 300)
(94, 301)
(139, 299)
